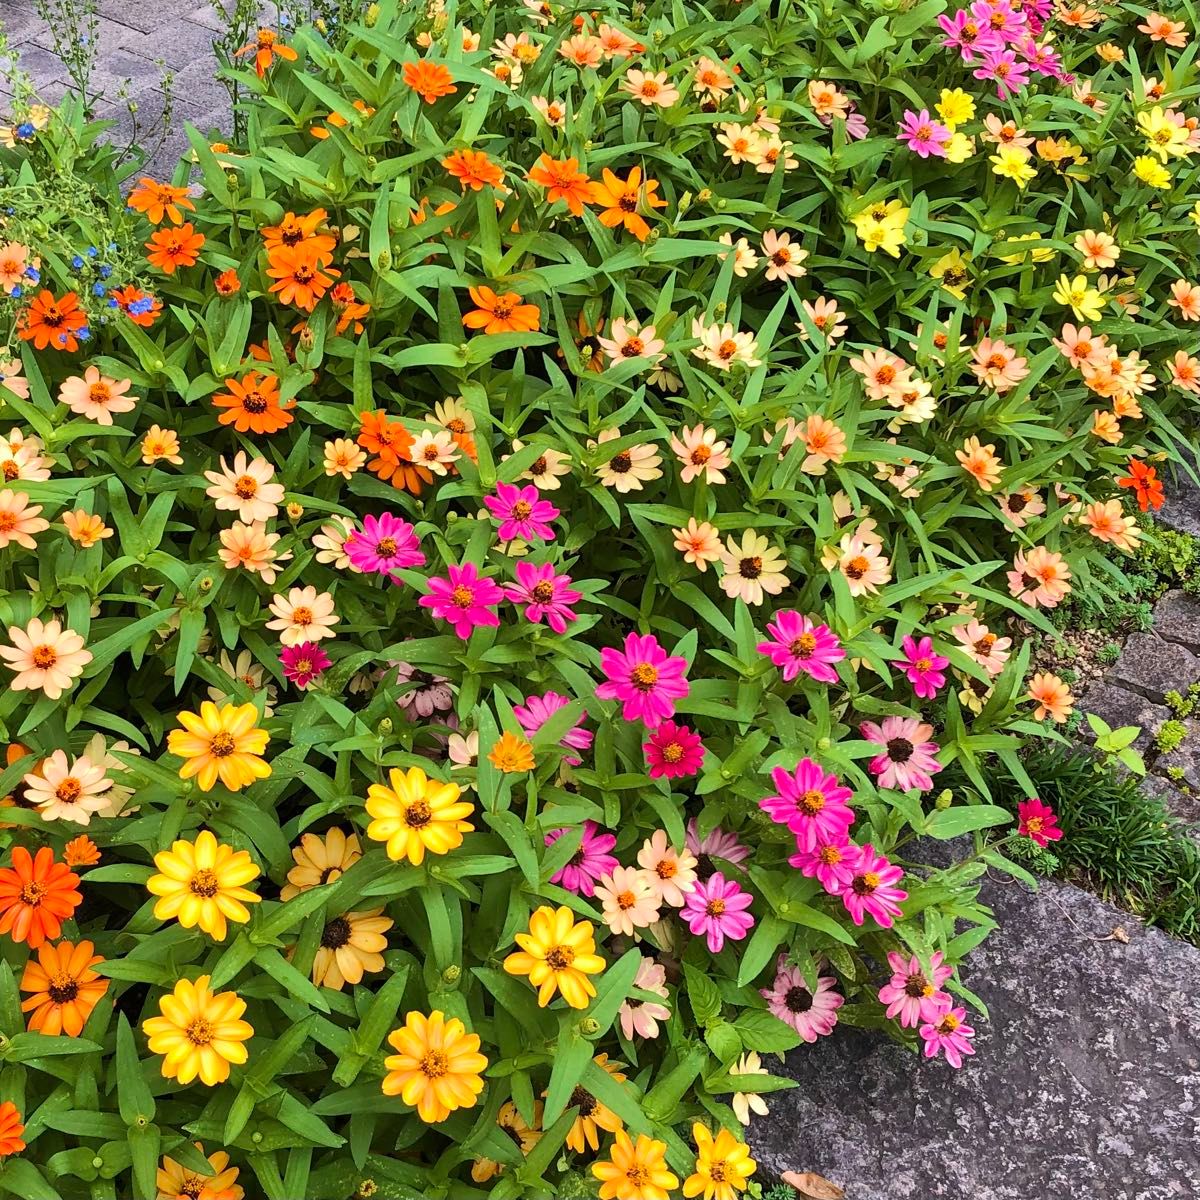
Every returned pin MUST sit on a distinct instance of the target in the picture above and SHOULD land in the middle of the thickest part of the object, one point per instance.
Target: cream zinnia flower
(246, 489)
(752, 569)
(304, 615)
(45, 656)
(67, 791)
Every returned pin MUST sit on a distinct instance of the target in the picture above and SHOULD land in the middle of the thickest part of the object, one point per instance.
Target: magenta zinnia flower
(716, 907)
(872, 888)
(924, 668)
(303, 662)
(1038, 821)
(922, 134)
(383, 544)
(673, 751)
(718, 844)
(644, 678)
(810, 803)
(521, 513)
(948, 1033)
(544, 594)
(907, 761)
(537, 710)
(810, 1014)
(465, 599)
(798, 644)
(589, 863)
(911, 994)
(829, 863)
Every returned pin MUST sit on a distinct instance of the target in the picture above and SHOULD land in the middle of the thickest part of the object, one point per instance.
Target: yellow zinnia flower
(635, 1171)
(955, 108)
(177, 1182)
(593, 1116)
(1163, 136)
(417, 814)
(1012, 162)
(350, 946)
(199, 1033)
(200, 883)
(1152, 172)
(438, 1066)
(881, 227)
(959, 148)
(558, 955)
(723, 1164)
(951, 271)
(1084, 300)
(221, 742)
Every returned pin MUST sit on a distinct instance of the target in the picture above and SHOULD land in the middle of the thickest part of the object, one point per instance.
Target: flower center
(302, 616)
(44, 657)
(435, 1064)
(626, 900)
(543, 592)
(811, 802)
(336, 934)
(584, 1101)
(864, 885)
(620, 463)
(522, 509)
(798, 999)
(462, 596)
(917, 986)
(246, 486)
(31, 894)
(948, 1024)
(559, 958)
(899, 750)
(222, 745)
(255, 402)
(502, 309)
(804, 645)
(672, 752)
(205, 883)
(857, 567)
(200, 1032)
(829, 856)
(98, 393)
(715, 907)
(644, 676)
(418, 814)
(716, 1171)
(69, 790)
(666, 868)
(385, 547)
(638, 1175)
(701, 455)
(923, 664)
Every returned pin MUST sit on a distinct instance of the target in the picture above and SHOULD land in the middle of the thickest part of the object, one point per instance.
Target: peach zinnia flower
(979, 462)
(700, 454)
(562, 180)
(250, 547)
(503, 313)
(1078, 346)
(988, 650)
(1186, 298)
(884, 374)
(473, 169)
(1052, 697)
(1106, 522)
(1106, 427)
(11, 377)
(303, 615)
(14, 258)
(1100, 250)
(862, 565)
(95, 396)
(1019, 505)
(1161, 29)
(430, 80)
(630, 340)
(161, 445)
(1185, 372)
(45, 656)
(628, 469)
(825, 442)
(628, 900)
(783, 258)
(997, 365)
(826, 316)
(19, 520)
(651, 88)
(67, 791)
(85, 528)
(583, 50)
(700, 544)
(246, 489)
(1040, 578)
(752, 568)
(21, 458)
(343, 457)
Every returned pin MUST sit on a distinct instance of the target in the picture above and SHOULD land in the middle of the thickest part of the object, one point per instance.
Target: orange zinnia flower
(50, 322)
(301, 233)
(253, 405)
(171, 249)
(299, 278)
(36, 896)
(392, 444)
(563, 181)
(10, 1130)
(348, 308)
(159, 200)
(64, 986)
(429, 79)
(81, 851)
(1148, 488)
(265, 47)
(621, 198)
(473, 169)
(501, 314)
(227, 283)
(127, 296)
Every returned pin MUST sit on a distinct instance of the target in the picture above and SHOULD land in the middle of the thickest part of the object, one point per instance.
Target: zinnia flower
(908, 760)
(246, 488)
(45, 656)
(201, 883)
(1038, 821)
(464, 599)
(723, 1165)
(673, 751)
(797, 644)
(628, 900)
(350, 946)
(912, 994)
(537, 710)
(176, 1182)
(635, 1170)
(384, 545)
(223, 743)
(872, 888)
(36, 896)
(303, 662)
(811, 1014)
(68, 792)
(672, 872)
(321, 860)
(64, 988)
(716, 907)
(417, 814)
(640, 1018)
(544, 594)
(591, 861)
(10, 1129)
(644, 678)
(437, 1067)
(810, 803)
(199, 1033)
(303, 615)
(521, 514)
(948, 1034)
(558, 954)
(95, 396)
(924, 668)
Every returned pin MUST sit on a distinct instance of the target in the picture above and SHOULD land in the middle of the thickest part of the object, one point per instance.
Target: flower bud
(944, 799)
(452, 974)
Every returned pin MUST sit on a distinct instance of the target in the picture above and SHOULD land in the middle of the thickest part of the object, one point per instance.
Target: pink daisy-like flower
(913, 994)
(872, 889)
(908, 760)
(521, 513)
(544, 594)
(949, 1034)
(830, 863)
(673, 751)
(811, 803)
(537, 710)
(923, 135)
(716, 907)
(644, 677)
(382, 545)
(589, 863)
(924, 668)
(810, 1014)
(1038, 821)
(799, 644)
(641, 1017)
(303, 662)
(718, 844)
(463, 599)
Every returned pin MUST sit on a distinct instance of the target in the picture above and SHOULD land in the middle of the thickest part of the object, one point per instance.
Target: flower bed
(494, 571)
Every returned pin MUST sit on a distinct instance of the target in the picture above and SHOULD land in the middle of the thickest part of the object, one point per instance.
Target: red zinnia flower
(1143, 478)
(36, 896)
(1038, 821)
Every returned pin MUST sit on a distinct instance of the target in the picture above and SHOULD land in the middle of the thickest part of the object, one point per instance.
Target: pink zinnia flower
(810, 803)
(464, 599)
(1038, 821)
(911, 994)
(672, 751)
(872, 889)
(644, 678)
(924, 668)
(967, 35)
(949, 1034)
(544, 594)
(384, 544)
(641, 1017)
(537, 710)
(521, 513)
(810, 1014)
(303, 662)
(830, 863)
(719, 844)
(907, 760)
(716, 907)
(589, 863)
(798, 644)
(1003, 67)
(923, 134)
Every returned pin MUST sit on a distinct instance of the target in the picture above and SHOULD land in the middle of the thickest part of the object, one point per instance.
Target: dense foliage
(495, 560)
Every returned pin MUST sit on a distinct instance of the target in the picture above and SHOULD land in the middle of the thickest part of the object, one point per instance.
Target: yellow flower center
(222, 745)
(69, 790)
(31, 894)
(205, 883)
(418, 814)
(811, 802)
(44, 657)
(559, 958)
(200, 1032)
(644, 676)
(435, 1064)
(462, 596)
(246, 486)
(302, 616)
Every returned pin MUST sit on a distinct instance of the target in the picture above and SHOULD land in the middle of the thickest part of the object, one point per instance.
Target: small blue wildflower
(105, 271)
(17, 292)
(84, 334)
(92, 252)
(76, 262)
(34, 274)
(98, 289)
(141, 307)
(25, 130)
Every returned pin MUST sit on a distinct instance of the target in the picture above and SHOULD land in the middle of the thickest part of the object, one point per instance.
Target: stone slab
(1177, 619)
(1151, 666)
(1086, 1083)
(1181, 511)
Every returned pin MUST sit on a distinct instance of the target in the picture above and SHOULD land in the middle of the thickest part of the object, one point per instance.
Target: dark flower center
(336, 934)
(798, 999)
(899, 750)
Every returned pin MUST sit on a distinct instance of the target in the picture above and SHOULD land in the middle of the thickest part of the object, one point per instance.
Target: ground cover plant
(497, 556)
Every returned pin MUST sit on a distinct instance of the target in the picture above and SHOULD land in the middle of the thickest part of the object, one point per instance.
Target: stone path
(1085, 1084)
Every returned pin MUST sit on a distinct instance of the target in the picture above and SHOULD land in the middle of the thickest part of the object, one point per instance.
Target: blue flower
(34, 274)
(76, 262)
(98, 289)
(105, 271)
(141, 307)
(84, 334)
(25, 130)
(17, 292)
(92, 252)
